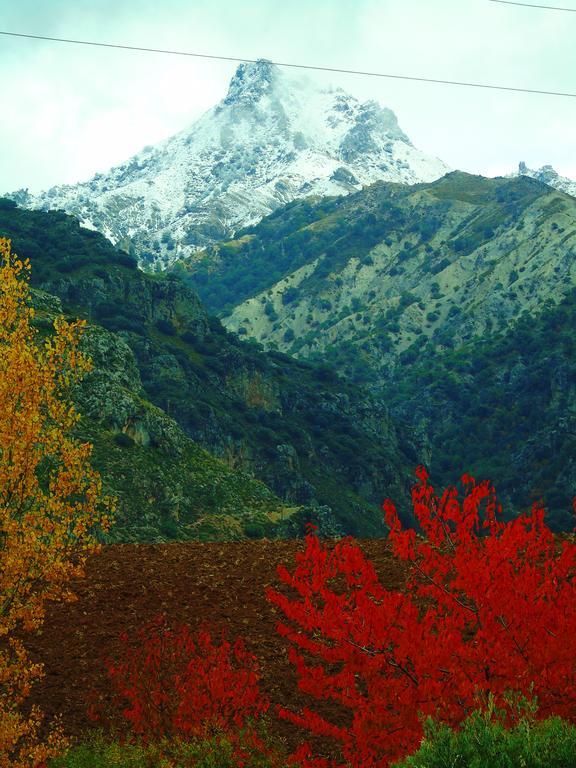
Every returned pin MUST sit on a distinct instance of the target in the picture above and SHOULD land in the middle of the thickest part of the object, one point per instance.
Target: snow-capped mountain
(548, 175)
(272, 139)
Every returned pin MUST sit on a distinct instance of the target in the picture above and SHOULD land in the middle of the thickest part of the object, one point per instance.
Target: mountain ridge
(439, 262)
(272, 139)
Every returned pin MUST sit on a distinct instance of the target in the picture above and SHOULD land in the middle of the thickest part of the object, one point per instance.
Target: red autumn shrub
(173, 684)
(489, 608)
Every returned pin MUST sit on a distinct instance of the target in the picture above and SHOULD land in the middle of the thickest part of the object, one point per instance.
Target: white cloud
(70, 111)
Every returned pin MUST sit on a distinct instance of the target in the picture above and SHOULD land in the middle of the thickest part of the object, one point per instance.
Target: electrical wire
(465, 84)
(532, 5)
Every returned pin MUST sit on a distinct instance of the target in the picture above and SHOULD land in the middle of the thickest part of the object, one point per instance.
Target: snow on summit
(273, 138)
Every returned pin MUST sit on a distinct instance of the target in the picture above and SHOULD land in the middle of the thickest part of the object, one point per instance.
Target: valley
(375, 310)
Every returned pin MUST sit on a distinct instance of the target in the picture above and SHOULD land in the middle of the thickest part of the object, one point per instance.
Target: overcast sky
(71, 111)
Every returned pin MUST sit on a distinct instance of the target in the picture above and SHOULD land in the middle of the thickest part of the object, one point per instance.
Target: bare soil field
(126, 585)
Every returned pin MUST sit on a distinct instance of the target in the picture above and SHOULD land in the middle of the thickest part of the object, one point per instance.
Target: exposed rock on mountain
(547, 175)
(272, 139)
(167, 486)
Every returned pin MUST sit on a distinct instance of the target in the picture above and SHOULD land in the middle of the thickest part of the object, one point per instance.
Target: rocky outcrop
(547, 175)
(165, 485)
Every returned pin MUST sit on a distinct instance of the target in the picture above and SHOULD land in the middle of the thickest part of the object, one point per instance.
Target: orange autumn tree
(51, 502)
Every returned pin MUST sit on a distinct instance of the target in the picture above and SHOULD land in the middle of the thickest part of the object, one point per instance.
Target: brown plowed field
(126, 585)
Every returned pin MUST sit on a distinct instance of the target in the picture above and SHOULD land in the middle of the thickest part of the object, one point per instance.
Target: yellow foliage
(51, 503)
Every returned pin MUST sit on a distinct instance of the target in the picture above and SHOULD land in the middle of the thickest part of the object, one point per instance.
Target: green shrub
(484, 742)
(270, 311)
(123, 440)
(214, 752)
(254, 530)
(290, 294)
(125, 260)
(169, 528)
(165, 327)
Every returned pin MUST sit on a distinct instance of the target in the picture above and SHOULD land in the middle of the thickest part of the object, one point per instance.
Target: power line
(531, 5)
(295, 66)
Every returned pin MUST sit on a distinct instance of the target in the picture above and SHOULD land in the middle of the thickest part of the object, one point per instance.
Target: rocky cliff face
(167, 486)
(271, 140)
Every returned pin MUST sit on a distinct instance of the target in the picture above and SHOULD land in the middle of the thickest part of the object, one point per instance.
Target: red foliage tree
(173, 684)
(488, 608)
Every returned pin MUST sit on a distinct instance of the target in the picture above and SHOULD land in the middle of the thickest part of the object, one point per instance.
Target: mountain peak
(251, 81)
(274, 138)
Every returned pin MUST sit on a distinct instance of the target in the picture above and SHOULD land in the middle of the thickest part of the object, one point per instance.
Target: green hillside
(314, 440)
(503, 407)
(453, 300)
(167, 486)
